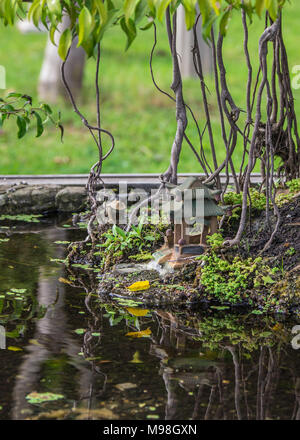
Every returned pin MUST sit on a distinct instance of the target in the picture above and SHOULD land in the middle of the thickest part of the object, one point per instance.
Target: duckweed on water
(29, 218)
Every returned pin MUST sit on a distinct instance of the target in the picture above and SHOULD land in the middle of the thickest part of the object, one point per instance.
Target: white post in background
(2, 338)
(185, 43)
(2, 77)
(50, 84)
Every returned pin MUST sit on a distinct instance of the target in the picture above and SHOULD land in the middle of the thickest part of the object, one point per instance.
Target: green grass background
(141, 119)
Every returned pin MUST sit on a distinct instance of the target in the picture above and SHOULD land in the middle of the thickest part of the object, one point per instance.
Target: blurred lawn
(141, 119)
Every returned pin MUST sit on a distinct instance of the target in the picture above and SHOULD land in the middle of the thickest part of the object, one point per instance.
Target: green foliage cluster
(19, 307)
(294, 188)
(20, 107)
(215, 241)
(294, 185)
(258, 200)
(229, 281)
(138, 241)
(218, 331)
(90, 19)
(116, 314)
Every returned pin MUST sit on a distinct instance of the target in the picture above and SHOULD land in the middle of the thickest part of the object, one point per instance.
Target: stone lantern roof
(182, 193)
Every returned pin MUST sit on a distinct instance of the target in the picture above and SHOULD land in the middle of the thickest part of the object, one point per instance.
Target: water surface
(184, 365)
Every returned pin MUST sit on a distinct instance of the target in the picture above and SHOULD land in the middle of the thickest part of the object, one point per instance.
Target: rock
(71, 199)
(3, 200)
(32, 199)
(43, 198)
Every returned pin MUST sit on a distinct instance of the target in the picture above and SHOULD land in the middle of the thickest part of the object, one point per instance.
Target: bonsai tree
(265, 133)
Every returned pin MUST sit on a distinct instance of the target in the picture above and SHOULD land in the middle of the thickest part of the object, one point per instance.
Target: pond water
(95, 359)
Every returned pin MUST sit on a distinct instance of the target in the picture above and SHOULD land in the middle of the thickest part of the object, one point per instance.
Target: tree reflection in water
(194, 365)
(237, 364)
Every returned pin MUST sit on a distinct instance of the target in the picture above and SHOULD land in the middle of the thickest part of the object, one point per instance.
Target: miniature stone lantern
(181, 243)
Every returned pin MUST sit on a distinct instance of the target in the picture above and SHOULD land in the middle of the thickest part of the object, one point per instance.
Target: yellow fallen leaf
(11, 348)
(137, 312)
(136, 358)
(139, 285)
(34, 342)
(64, 280)
(278, 326)
(141, 334)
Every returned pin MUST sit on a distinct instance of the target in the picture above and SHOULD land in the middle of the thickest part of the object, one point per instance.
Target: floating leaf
(35, 342)
(136, 358)
(12, 348)
(79, 331)
(141, 334)
(96, 334)
(35, 397)
(256, 312)
(64, 280)
(137, 312)
(125, 386)
(139, 285)
(18, 290)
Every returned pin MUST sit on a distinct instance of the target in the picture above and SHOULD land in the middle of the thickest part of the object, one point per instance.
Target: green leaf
(14, 95)
(79, 331)
(39, 124)
(52, 34)
(268, 280)
(259, 6)
(102, 9)
(36, 15)
(118, 231)
(85, 26)
(190, 12)
(47, 109)
(163, 4)
(65, 44)
(35, 397)
(130, 31)
(54, 7)
(247, 6)
(147, 26)
(141, 11)
(129, 8)
(272, 6)
(205, 9)
(21, 122)
(224, 22)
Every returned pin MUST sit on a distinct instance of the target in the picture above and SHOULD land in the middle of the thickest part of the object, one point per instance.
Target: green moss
(258, 199)
(228, 281)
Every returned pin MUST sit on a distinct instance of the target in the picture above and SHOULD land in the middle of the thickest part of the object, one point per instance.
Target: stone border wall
(38, 199)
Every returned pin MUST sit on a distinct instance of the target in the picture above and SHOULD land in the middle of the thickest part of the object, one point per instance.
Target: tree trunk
(185, 44)
(50, 86)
